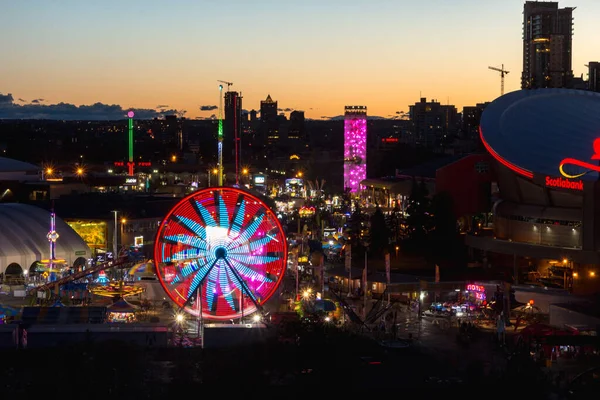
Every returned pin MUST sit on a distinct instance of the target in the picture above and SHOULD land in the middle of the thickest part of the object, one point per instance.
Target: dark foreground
(326, 359)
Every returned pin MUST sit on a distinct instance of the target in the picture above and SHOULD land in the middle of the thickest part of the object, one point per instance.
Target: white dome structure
(23, 239)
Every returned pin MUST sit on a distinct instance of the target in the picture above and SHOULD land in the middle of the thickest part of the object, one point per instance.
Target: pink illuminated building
(355, 147)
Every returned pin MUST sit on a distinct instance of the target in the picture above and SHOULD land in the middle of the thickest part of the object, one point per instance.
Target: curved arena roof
(10, 165)
(23, 230)
(537, 131)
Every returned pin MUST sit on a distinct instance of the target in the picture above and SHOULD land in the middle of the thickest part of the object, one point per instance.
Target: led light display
(355, 147)
(226, 244)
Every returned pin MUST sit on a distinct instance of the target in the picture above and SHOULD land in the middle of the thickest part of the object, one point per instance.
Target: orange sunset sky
(315, 56)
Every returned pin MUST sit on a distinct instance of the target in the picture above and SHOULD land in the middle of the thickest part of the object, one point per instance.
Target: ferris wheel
(224, 244)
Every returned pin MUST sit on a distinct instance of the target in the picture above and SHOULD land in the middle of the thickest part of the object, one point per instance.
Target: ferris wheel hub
(220, 253)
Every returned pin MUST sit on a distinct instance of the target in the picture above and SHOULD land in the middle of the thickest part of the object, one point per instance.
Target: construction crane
(227, 83)
(502, 73)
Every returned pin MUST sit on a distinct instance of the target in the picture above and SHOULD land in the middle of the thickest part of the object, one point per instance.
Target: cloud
(208, 108)
(213, 116)
(22, 100)
(98, 111)
(285, 109)
(161, 106)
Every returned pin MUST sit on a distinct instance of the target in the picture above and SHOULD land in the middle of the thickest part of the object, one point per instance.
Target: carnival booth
(121, 312)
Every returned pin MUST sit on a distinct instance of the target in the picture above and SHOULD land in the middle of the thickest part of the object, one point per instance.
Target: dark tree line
(430, 224)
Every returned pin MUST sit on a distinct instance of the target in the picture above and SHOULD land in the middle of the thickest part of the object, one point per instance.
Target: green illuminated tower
(130, 163)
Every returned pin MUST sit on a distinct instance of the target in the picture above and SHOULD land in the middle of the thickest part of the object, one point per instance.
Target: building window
(482, 167)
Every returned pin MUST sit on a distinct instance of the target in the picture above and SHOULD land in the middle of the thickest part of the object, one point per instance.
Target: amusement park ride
(219, 254)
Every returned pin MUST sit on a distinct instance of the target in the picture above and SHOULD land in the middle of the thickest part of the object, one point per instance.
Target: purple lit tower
(355, 147)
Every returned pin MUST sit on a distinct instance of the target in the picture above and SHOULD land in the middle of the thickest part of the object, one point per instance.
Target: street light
(115, 232)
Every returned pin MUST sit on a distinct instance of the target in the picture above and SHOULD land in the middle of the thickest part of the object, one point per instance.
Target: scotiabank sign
(562, 183)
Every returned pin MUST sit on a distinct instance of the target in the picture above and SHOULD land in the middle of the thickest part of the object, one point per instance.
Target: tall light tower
(220, 137)
(355, 147)
(130, 163)
(52, 238)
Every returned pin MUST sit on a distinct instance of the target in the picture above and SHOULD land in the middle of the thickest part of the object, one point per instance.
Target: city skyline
(143, 55)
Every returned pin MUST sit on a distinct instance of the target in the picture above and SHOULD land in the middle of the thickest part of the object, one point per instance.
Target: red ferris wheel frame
(254, 284)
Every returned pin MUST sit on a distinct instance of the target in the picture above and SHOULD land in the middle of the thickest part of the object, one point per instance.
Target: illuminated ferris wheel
(225, 244)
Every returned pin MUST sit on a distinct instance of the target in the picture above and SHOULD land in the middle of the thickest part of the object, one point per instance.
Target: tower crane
(227, 83)
(502, 73)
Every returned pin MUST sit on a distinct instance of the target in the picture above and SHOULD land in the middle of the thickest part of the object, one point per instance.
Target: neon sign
(563, 183)
(589, 166)
(478, 291)
(139, 164)
(476, 288)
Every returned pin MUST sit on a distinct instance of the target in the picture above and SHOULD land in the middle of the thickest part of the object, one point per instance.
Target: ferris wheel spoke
(199, 277)
(221, 210)
(211, 285)
(249, 231)
(185, 255)
(224, 279)
(203, 213)
(241, 283)
(255, 243)
(238, 216)
(247, 271)
(254, 260)
(191, 225)
(193, 241)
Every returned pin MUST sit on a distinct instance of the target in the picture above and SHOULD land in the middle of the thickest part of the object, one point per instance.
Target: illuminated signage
(259, 179)
(389, 140)
(139, 164)
(131, 181)
(562, 183)
(476, 288)
(138, 241)
(586, 165)
(478, 291)
(294, 181)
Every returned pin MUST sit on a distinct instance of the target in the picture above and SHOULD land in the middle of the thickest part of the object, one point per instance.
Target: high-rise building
(232, 126)
(471, 116)
(296, 132)
(547, 45)
(355, 147)
(432, 123)
(268, 120)
(594, 76)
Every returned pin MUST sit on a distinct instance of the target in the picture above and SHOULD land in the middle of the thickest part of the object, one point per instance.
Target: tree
(379, 233)
(418, 219)
(355, 225)
(346, 204)
(443, 235)
(393, 223)
(443, 219)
